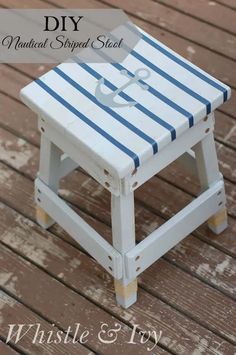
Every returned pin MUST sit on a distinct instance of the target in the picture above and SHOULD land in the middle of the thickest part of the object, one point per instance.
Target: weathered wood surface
(66, 307)
(89, 187)
(230, 3)
(143, 227)
(27, 162)
(12, 311)
(215, 64)
(187, 27)
(208, 11)
(66, 262)
(6, 349)
(188, 294)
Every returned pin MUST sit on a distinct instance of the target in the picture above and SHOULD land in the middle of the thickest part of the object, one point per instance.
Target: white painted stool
(162, 110)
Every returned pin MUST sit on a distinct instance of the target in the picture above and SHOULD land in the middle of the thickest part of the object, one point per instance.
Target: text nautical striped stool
(123, 123)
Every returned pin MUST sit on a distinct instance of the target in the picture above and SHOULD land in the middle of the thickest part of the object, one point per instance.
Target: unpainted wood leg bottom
(126, 295)
(43, 219)
(218, 223)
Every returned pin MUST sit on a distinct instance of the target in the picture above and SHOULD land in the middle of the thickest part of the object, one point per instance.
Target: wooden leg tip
(126, 295)
(126, 302)
(218, 223)
(43, 219)
(218, 229)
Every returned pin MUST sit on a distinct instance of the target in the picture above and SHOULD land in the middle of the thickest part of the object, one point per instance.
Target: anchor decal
(108, 99)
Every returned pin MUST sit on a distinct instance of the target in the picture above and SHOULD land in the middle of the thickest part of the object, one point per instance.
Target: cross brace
(174, 230)
(146, 252)
(78, 229)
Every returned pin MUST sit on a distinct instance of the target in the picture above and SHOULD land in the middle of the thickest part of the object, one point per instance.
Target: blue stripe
(89, 122)
(151, 90)
(128, 98)
(160, 96)
(108, 110)
(186, 66)
(172, 80)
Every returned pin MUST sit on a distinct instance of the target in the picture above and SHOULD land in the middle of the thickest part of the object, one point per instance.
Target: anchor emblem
(109, 99)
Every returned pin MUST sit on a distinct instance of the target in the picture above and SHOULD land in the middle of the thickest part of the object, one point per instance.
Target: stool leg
(208, 171)
(49, 165)
(218, 223)
(43, 219)
(123, 236)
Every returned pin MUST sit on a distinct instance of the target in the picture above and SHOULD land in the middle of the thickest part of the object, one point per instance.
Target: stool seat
(120, 115)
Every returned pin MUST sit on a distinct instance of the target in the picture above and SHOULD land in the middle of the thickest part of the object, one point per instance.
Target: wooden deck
(188, 295)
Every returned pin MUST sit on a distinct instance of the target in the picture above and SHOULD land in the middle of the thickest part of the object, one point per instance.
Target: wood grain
(189, 292)
(6, 349)
(81, 190)
(203, 57)
(66, 307)
(173, 21)
(67, 262)
(198, 286)
(208, 11)
(13, 312)
(230, 3)
(174, 174)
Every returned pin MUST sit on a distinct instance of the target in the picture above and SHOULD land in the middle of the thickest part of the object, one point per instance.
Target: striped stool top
(162, 96)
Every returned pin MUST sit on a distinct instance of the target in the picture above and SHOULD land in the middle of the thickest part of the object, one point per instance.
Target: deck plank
(230, 3)
(83, 273)
(200, 271)
(14, 312)
(66, 307)
(202, 33)
(142, 227)
(203, 57)
(27, 163)
(182, 179)
(175, 22)
(6, 349)
(204, 10)
(17, 118)
(26, 4)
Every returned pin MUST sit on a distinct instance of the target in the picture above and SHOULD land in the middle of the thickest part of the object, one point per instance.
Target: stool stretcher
(174, 230)
(78, 229)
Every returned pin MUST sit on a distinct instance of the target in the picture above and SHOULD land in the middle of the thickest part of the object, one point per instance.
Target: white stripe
(97, 115)
(44, 104)
(167, 89)
(184, 60)
(145, 98)
(131, 114)
(178, 72)
(78, 131)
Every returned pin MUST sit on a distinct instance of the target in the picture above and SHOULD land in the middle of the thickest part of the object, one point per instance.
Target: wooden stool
(123, 123)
